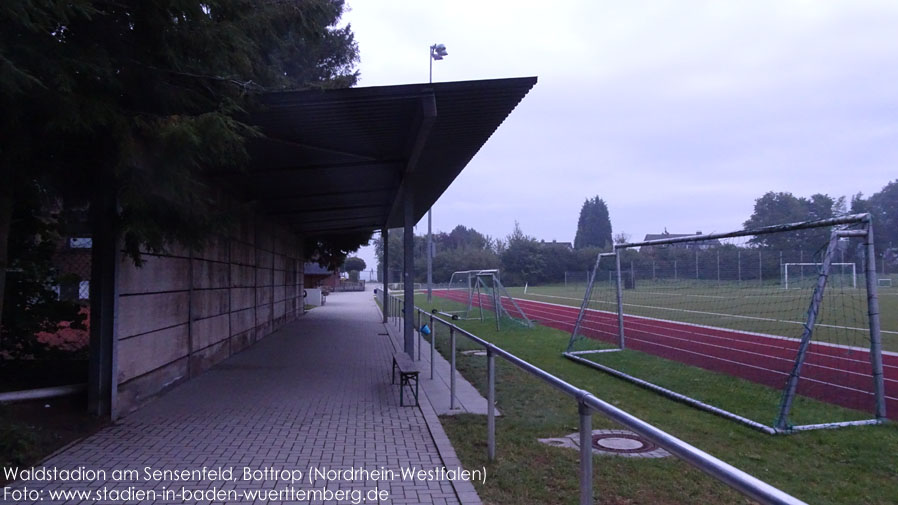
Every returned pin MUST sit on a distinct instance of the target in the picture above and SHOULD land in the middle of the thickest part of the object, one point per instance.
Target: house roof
(339, 161)
(660, 236)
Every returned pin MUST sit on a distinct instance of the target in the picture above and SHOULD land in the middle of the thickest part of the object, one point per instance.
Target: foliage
(781, 208)
(883, 206)
(522, 260)
(354, 264)
(331, 251)
(31, 301)
(143, 99)
(594, 225)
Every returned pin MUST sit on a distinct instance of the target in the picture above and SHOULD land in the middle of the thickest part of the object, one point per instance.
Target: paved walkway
(315, 395)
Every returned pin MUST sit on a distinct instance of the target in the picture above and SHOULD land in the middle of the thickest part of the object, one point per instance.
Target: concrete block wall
(184, 311)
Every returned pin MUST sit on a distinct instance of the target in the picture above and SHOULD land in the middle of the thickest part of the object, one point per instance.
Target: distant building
(706, 244)
(555, 243)
(316, 276)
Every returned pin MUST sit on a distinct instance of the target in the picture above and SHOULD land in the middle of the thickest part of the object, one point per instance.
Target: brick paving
(315, 394)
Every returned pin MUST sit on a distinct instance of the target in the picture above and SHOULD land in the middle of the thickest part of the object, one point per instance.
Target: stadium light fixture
(437, 52)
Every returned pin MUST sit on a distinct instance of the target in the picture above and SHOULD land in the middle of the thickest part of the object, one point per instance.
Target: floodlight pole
(437, 51)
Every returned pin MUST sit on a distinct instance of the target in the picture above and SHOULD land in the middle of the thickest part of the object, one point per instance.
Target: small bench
(408, 373)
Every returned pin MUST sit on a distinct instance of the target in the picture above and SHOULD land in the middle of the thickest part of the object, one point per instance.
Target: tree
(522, 260)
(782, 208)
(140, 100)
(621, 238)
(883, 206)
(33, 304)
(594, 225)
(354, 263)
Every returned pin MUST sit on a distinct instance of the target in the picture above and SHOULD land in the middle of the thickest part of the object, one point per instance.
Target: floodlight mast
(437, 51)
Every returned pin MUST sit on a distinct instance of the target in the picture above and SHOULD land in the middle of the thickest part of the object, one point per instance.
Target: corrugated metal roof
(333, 161)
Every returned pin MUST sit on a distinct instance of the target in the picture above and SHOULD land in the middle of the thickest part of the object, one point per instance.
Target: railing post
(452, 368)
(491, 405)
(585, 454)
(420, 337)
(433, 343)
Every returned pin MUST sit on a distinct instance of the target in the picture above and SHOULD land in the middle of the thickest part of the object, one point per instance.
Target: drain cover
(627, 443)
(612, 443)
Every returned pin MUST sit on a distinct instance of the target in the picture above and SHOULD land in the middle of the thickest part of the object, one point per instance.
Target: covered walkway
(314, 395)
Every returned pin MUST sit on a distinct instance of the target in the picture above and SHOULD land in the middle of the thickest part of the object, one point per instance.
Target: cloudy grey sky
(679, 114)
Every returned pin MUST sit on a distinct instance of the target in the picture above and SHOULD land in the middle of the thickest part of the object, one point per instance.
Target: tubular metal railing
(742, 482)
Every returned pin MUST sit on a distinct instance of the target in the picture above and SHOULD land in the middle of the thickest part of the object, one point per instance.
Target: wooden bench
(408, 373)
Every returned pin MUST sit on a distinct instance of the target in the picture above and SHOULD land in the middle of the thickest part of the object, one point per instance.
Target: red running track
(833, 374)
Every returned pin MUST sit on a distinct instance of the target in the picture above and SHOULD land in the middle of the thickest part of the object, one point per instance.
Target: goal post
(613, 261)
(478, 295)
(845, 273)
(709, 326)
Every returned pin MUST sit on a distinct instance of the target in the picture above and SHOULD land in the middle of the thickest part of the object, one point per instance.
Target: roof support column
(408, 269)
(105, 257)
(385, 241)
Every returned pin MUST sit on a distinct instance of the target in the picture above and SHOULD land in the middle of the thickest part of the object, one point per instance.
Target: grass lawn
(847, 466)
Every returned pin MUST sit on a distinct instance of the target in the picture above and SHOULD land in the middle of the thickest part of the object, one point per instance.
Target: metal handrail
(739, 480)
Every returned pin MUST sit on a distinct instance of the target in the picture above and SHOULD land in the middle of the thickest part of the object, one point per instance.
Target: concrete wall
(183, 312)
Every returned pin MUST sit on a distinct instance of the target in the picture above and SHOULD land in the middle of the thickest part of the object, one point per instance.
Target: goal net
(704, 319)
(478, 295)
(797, 275)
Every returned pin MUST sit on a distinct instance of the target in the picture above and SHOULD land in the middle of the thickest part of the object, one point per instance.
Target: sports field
(751, 333)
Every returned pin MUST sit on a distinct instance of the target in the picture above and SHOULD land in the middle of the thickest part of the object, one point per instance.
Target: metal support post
(875, 332)
(433, 343)
(408, 269)
(739, 264)
(696, 263)
(385, 239)
(418, 328)
(496, 306)
(620, 304)
(452, 368)
(102, 390)
(429, 256)
(585, 454)
(491, 405)
(792, 383)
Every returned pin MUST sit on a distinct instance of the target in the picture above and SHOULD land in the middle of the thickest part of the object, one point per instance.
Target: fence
(742, 482)
(345, 285)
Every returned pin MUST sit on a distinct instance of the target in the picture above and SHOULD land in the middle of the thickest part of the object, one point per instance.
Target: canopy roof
(339, 161)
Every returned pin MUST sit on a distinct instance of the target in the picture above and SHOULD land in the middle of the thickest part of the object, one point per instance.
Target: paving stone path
(316, 394)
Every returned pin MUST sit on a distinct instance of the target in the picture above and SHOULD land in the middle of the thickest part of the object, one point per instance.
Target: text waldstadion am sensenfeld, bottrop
(246, 474)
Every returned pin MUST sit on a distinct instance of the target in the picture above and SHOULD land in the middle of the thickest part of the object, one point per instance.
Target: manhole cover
(622, 442)
(612, 443)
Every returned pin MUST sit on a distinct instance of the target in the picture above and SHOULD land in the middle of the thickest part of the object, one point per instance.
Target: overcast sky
(679, 114)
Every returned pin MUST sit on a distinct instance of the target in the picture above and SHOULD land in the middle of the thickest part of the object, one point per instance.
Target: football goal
(703, 319)
(478, 295)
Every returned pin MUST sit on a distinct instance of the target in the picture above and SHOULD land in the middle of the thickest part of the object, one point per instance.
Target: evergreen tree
(594, 225)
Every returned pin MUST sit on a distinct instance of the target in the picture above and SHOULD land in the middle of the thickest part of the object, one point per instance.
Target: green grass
(846, 466)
